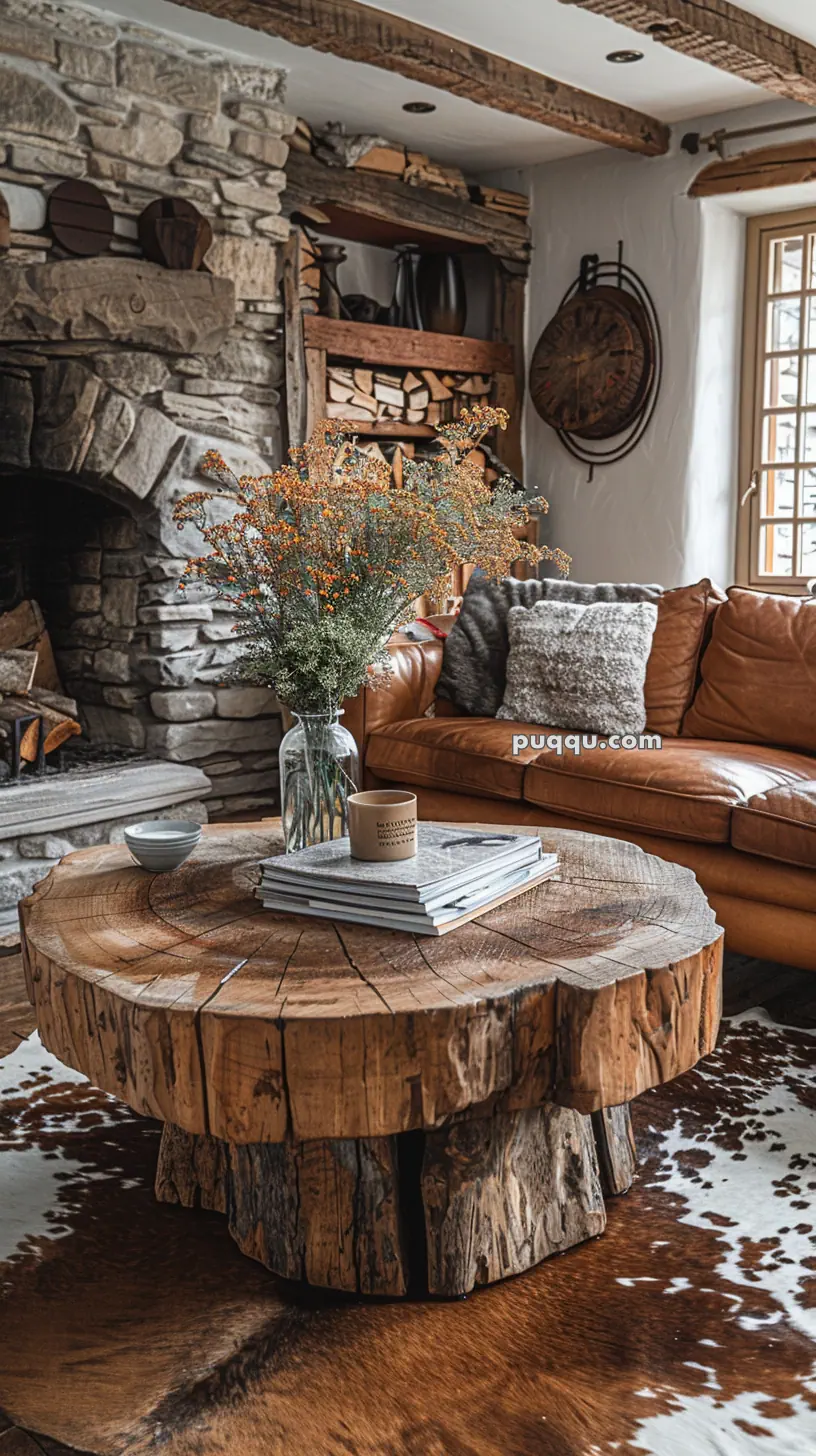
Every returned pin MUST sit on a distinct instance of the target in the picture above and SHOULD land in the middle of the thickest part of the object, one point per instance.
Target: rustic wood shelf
(369, 207)
(393, 429)
(417, 349)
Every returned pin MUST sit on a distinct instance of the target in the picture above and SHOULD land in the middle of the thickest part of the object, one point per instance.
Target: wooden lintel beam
(725, 36)
(360, 33)
(780, 166)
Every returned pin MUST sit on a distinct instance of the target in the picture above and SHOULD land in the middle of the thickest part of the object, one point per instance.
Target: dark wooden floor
(788, 995)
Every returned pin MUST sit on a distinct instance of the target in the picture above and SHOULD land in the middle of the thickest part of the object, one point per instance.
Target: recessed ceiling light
(624, 58)
(419, 108)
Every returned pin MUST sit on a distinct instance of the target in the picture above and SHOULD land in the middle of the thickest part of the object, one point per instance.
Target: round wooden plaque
(592, 367)
(174, 233)
(80, 218)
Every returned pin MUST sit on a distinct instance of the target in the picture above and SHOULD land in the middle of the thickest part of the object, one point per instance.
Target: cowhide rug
(689, 1329)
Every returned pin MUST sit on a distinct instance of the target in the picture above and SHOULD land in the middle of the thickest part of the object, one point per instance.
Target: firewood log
(438, 388)
(47, 674)
(21, 626)
(364, 380)
(474, 384)
(388, 394)
(335, 410)
(341, 374)
(10, 711)
(341, 393)
(419, 398)
(366, 402)
(17, 668)
(59, 701)
(57, 726)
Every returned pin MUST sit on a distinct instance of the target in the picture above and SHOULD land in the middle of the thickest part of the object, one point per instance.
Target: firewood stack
(31, 693)
(421, 397)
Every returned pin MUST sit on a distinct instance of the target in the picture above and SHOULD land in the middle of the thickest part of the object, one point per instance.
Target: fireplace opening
(70, 570)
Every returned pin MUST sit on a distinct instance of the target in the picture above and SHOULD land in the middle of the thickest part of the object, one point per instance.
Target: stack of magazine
(455, 875)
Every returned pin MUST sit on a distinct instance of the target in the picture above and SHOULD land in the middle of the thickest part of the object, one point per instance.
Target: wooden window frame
(761, 233)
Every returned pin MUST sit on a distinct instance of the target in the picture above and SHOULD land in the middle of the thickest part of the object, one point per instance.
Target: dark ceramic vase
(405, 312)
(329, 257)
(441, 292)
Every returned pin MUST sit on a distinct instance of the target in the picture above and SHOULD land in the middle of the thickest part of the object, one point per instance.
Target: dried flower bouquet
(324, 557)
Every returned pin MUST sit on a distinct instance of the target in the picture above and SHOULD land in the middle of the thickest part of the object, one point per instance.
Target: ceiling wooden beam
(723, 35)
(361, 33)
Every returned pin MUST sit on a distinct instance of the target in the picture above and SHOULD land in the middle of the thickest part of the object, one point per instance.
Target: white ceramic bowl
(162, 844)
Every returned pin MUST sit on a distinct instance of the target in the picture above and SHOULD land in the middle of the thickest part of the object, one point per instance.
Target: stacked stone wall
(116, 375)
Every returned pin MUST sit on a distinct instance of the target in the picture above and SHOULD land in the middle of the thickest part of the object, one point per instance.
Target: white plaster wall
(667, 512)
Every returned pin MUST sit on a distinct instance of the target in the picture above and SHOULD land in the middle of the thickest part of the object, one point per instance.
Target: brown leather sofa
(731, 793)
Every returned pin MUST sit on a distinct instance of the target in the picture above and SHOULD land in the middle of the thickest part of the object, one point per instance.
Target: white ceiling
(558, 40)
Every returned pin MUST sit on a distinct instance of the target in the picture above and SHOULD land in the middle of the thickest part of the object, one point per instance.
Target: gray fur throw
(474, 666)
(579, 667)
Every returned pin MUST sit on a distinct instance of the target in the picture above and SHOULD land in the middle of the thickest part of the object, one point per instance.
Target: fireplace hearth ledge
(84, 808)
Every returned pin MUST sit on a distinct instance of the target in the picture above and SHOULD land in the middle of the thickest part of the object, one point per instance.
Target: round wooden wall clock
(596, 367)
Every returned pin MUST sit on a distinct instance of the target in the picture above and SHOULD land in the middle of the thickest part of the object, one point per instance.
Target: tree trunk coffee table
(375, 1111)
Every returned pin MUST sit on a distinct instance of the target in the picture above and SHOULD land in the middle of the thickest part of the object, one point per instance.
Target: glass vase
(319, 768)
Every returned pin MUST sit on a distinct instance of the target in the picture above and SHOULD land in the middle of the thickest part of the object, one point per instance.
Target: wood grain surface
(180, 995)
(378, 38)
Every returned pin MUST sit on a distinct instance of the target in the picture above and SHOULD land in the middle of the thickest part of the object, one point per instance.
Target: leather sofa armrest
(415, 672)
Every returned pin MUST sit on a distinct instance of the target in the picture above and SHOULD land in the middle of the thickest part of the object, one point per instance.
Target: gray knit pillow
(475, 661)
(579, 667)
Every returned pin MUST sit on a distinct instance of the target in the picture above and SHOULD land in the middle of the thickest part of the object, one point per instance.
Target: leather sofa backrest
(684, 617)
(759, 673)
(415, 669)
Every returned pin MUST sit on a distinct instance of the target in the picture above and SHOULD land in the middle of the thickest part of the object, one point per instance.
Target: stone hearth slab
(42, 806)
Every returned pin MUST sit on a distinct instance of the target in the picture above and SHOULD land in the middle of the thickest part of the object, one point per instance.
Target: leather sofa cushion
(686, 790)
(468, 755)
(779, 824)
(683, 621)
(759, 673)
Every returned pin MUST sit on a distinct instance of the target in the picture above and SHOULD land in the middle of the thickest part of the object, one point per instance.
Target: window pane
(783, 324)
(776, 550)
(779, 438)
(778, 493)
(786, 265)
(808, 486)
(807, 548)
(809, 388)
(810, 324)
(782, 380)
(809, 435)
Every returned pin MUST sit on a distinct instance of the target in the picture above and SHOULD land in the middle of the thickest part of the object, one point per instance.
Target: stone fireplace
(116, 375)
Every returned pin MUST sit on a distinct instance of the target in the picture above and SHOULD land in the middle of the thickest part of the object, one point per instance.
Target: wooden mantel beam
(361, 33)
(723, 35)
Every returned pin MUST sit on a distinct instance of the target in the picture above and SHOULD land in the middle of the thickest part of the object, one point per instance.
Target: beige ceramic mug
(383, 824)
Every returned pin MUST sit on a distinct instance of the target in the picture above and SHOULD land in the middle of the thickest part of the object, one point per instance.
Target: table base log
(435, 1212)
